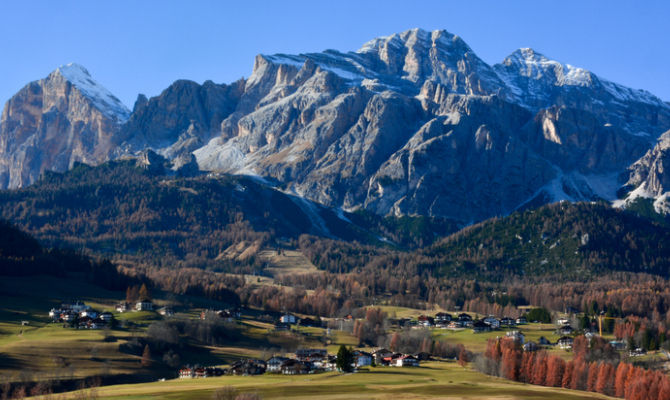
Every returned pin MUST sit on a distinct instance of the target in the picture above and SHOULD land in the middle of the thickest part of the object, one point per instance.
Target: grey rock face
(411, 123)
(57, 121)
(649, 177)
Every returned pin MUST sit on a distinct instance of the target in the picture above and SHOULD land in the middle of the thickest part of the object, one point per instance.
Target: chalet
(248, 367)
(565, 342)
(507, 321)
(380, 354)
(480, 326)
(492, 321)
(362, 359)
(288, 319)
(637, 352)
(426, 321)
(565, 330)
(186, 373)
(442, 318)
(311, 354)
(516, 336)
(77, 306)
(166, 311)
(463, 317)
(562, 321)
(68, 316)
(407, 361)
(55, 313)
(543, 341)
(296, 367)
(521, 321)
(530, 346)
(144, 306)
(106, 316)
(121, 307)
(88, 313)
(274, 364)
(455, 325)
(200, 372)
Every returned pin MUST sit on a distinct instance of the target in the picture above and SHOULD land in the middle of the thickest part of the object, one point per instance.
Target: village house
(166, 311)
(638, 352)
(455, 325)
(565, 330)
(521, 321)
(492, 321)
(121, 307)
(516, 336)
(248, 367)
(106, 316)
(562, 321)
(288, 319)
(463, 317)
(480, 326)
(362, 359)
(380, 356)
(296, 367)
(565, 342)
(426, 321)
(186, 372)
(274, 364)
(311, 354)
(144, 306)
(442, 318)
(530, 346)
(407, 361)
(507, 321)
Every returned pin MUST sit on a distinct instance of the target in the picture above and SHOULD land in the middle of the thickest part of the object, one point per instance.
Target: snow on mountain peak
(102, 98)
(532, 64)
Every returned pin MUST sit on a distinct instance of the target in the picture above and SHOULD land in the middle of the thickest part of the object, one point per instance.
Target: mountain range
(414, 123)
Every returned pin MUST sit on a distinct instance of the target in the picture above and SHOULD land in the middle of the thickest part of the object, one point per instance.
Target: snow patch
(102, 98)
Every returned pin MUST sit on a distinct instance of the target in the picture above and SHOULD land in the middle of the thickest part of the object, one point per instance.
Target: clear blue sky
(136, 47)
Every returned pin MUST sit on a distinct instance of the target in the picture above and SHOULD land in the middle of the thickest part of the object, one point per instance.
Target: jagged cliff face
(412, 123)
(416, 123)
(649, 177)
(54, 122)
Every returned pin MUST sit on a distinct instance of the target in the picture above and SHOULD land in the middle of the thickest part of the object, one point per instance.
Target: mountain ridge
(413, 123)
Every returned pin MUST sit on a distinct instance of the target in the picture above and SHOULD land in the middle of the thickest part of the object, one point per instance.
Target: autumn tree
(605, 380)
(463, 356)
(555, 368)
(146, 357)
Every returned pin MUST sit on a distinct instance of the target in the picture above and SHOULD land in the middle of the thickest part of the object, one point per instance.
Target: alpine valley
(332, 200)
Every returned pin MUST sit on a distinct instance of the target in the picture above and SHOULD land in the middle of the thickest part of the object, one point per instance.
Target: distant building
(121, 307)
(565, 342)
(362, 359)
(166, 311)
(407, 361)
(530, 346)
(274, 364)
(480, 326)
(288, 319)
(492, 321)
(442, 318)
(144, 306)
(521, 321)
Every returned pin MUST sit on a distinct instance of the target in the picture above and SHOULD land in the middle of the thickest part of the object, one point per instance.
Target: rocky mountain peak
(532, 64)
(102, 98)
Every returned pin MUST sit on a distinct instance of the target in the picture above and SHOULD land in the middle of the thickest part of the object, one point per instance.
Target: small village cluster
(80, 315)
(306, 361)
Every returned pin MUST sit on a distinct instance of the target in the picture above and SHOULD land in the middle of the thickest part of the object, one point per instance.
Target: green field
(433, 380)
